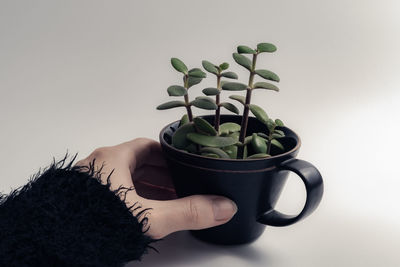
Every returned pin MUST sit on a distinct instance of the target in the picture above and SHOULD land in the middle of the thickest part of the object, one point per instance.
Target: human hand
(139, 163)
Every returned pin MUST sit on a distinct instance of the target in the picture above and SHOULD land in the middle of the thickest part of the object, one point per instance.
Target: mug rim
(164, 142)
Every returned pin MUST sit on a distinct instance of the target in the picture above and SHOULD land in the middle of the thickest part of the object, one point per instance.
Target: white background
(76, 75)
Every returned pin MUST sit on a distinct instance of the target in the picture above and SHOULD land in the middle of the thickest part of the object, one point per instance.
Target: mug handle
(314, 186)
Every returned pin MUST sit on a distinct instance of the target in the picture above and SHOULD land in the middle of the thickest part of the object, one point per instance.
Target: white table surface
(76, 75)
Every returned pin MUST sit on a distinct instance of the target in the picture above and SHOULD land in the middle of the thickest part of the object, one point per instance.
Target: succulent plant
(218, 71)
(190, 78)
(227, 140)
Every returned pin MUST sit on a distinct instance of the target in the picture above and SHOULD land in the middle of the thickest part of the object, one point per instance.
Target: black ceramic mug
(253, 184)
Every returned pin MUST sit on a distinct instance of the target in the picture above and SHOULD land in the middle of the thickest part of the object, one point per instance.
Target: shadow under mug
(253, 184)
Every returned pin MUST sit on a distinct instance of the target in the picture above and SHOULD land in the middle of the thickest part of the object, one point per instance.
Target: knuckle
(142, 140)
(80, 163)
(155, 232)
(99, 153)
(191, 212)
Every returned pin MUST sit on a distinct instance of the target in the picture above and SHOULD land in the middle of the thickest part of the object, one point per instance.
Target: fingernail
(223, 208)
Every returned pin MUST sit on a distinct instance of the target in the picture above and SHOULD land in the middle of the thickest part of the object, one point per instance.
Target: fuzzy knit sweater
(65, 216)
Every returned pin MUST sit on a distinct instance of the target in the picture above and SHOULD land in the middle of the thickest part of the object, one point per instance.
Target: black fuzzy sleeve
(65, 216)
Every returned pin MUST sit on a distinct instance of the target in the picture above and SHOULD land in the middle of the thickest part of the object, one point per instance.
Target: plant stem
(243, 126)
(187, 103)
(269, 145)
(270, 137)
(253, 68)
(189, 107)
(245, 117)
(217, 100)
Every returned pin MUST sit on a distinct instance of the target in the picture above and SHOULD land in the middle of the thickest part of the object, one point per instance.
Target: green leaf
(239, 98)
(278, 134)
(204, 104)
(259, 156)
(179, 65)
(270, 125)
(184, 120)
(277, 144)
(215, 150)
(231, 107)
(206, 98)
(258, 144)
(231, 151)
(229, 74)
(204, 126)
(208, 66)
(171, 104)
(242, 60)
(192, 148)
(176, 90)
(235, 135)
(224, 66)
(234, 86)
(248, 139)
(266, 47)
(269, 75)
(179, 139)
(211, 91)
(210, 155)
(265, 85)
(211, 141)
(260, 114)
(279, 122)
(263, 135)
(228, 127)
(193, 81)
(223, 82)
(243, 49)
(197, 73)
(265, 139)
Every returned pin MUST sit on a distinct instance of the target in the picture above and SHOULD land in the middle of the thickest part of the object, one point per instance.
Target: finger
(189, 213)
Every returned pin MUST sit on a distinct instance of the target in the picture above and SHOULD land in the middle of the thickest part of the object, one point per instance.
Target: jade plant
(227, 140)
(212, 91)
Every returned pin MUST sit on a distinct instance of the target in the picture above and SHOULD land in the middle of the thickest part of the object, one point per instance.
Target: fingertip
(223, 208)
(192, 213)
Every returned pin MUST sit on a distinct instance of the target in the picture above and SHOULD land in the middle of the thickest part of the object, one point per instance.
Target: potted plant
(242, 157)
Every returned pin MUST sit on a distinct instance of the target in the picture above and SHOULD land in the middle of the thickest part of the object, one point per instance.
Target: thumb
(189, 213)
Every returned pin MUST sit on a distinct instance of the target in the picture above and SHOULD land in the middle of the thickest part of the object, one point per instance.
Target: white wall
(76, 75)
